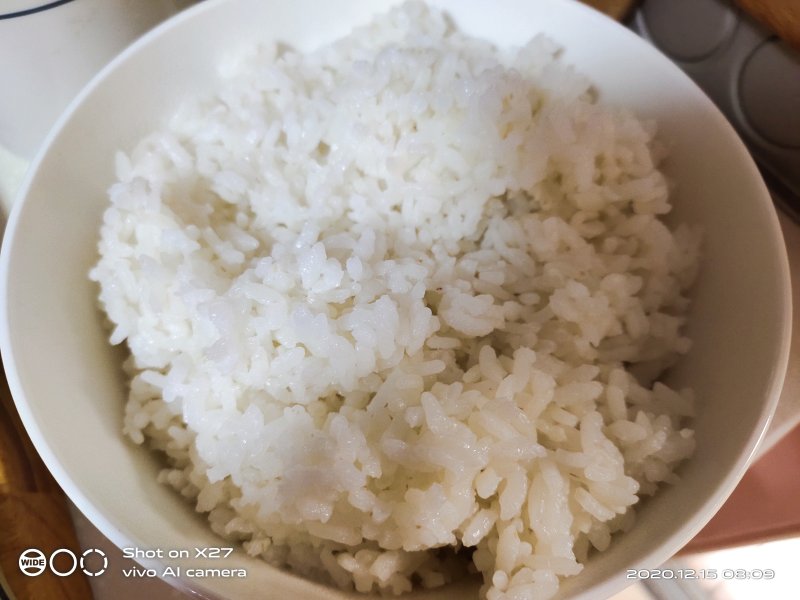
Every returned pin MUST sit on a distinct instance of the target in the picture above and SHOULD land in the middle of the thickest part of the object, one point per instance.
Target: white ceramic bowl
(67, 381)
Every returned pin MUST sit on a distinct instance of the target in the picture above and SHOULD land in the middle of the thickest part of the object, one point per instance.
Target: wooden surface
(616, 9)
(781, 16)
(33, 514)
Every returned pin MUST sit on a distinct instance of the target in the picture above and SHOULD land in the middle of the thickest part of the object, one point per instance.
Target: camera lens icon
(32, 562)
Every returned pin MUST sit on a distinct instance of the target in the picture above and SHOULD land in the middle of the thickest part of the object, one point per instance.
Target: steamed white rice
(401, 304)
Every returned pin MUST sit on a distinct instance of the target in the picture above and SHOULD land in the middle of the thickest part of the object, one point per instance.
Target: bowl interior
(68, 382)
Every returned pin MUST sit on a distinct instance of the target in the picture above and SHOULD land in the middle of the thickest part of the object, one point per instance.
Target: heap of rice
(408, 292)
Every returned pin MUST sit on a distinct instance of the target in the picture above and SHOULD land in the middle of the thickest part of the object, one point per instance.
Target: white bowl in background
(50, 50)
(67, 381)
